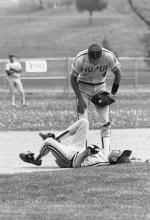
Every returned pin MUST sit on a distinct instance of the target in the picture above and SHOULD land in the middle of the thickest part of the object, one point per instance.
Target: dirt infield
(15, 142)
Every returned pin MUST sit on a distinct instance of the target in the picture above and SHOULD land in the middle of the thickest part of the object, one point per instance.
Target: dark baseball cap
(94, 51)
(11, 55)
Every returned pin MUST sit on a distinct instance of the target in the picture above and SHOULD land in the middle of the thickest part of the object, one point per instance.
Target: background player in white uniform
(13, 70)
(76, 153)
(89, 72)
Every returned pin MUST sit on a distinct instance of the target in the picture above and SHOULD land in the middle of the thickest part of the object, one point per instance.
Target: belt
(92, 84)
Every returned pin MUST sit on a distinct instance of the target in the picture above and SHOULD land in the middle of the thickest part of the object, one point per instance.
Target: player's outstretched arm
(79, 158)
(74, 84)
(81, 103)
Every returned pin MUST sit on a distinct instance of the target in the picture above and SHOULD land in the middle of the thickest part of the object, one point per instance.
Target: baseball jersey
(101, 158)
(14, 66)
(94, 73)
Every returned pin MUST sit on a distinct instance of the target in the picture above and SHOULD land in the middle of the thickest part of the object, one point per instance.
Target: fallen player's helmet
(94, 51)
(116, 157)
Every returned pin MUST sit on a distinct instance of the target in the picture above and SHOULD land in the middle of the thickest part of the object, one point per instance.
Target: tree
(90, 6)
(142, 10)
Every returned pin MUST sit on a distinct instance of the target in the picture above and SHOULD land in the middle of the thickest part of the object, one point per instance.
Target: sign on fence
(36, 66)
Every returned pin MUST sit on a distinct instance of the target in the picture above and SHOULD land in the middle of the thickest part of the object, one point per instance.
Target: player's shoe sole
(28, 158)
(47, 135)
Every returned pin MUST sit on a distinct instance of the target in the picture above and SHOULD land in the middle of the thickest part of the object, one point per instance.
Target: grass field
(46, 112)
(109, 193)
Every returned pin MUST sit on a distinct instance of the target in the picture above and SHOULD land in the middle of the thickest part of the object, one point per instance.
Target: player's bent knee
(83, 120)
(47, 146)
(50, 141)
(105, 130)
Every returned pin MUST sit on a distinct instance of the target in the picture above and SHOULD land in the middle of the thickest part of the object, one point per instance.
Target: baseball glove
(9, 72)
(102, 99)
(94, 149)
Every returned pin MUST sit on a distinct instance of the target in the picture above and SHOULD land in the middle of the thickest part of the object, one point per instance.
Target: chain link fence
(53, 75)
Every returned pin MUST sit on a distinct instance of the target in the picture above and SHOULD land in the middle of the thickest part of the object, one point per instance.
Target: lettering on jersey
(104, 74)
(93, 69)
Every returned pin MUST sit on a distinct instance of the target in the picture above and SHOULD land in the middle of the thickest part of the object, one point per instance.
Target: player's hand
(112, 96)
(9, 72)
(81, 106)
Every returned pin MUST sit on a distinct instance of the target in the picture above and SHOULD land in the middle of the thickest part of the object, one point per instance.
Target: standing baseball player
(88, 80)
(76, 153)
(13, 70)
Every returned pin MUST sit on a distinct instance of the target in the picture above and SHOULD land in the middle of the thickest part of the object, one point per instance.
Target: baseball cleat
(47, 135)
(29, 158)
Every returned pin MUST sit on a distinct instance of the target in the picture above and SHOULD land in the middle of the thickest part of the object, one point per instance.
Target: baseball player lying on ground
(77, 153)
